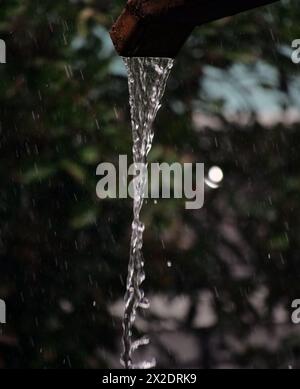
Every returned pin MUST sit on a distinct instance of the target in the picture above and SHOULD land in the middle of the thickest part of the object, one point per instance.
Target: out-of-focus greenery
(64, 253)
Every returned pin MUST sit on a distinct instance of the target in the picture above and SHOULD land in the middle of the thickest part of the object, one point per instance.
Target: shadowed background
(221, 279)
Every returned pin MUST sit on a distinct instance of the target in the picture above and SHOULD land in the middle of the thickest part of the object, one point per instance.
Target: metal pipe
(159, 28)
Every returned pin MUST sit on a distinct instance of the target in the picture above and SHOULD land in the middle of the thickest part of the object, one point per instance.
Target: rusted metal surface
(159, 28)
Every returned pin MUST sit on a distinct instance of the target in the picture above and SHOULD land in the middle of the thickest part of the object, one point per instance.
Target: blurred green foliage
(64, 109)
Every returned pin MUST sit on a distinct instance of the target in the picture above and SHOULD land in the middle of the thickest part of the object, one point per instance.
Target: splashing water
(147, 79)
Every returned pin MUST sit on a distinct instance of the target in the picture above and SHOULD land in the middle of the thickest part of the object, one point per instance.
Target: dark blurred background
(221, 279)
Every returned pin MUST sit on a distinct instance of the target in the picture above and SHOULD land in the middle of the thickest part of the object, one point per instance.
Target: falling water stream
(147, 79)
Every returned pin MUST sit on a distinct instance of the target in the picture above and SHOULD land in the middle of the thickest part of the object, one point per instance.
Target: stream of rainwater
(147, 79)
